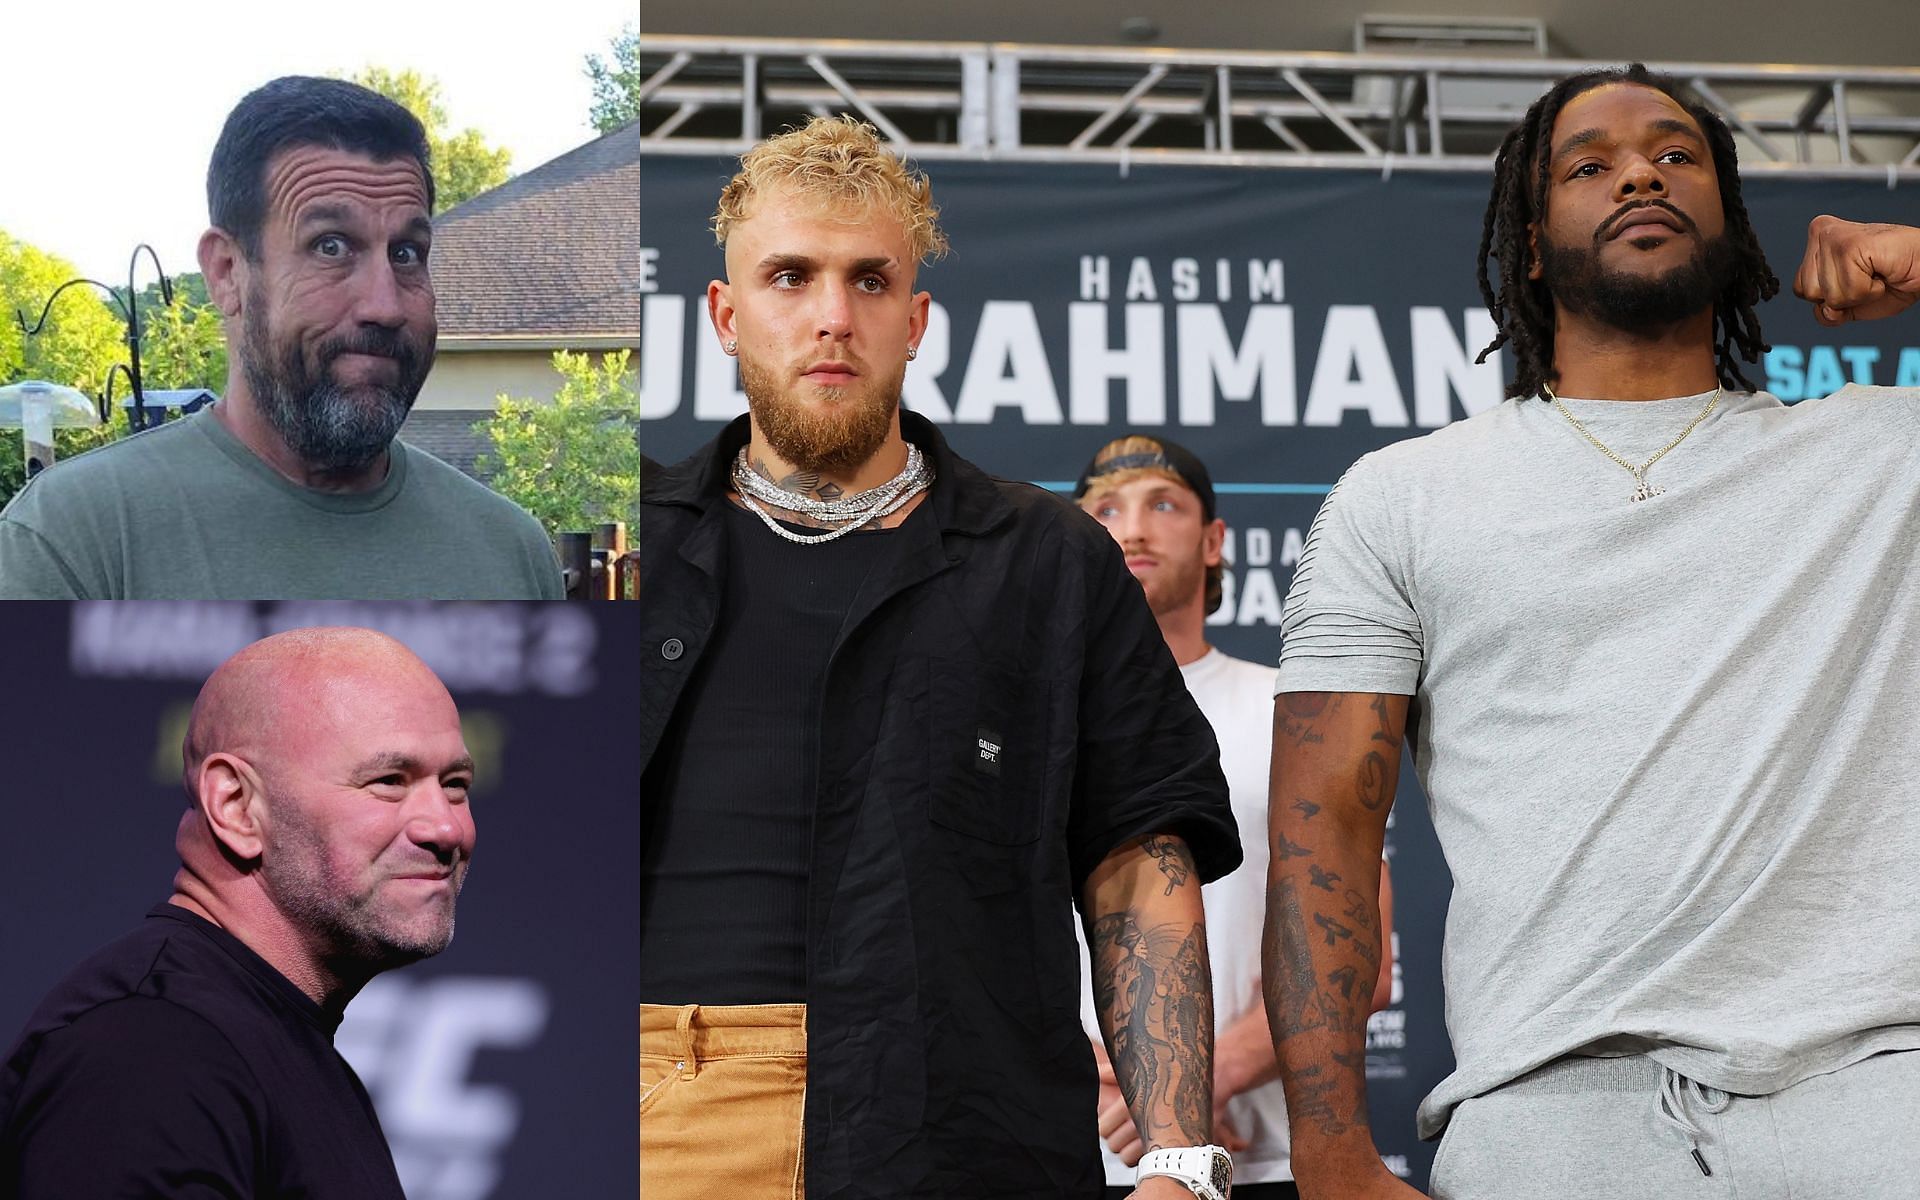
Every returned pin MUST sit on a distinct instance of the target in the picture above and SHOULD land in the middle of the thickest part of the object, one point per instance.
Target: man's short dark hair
(301, 110)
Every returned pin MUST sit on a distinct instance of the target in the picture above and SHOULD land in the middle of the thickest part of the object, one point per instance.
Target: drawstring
(1672, 1103)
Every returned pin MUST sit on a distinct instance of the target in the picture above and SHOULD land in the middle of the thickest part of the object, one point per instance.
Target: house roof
(553, 252)
(447, 434)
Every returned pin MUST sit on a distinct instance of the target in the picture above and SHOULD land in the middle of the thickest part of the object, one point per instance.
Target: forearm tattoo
(1320, 952)
(1153, 986)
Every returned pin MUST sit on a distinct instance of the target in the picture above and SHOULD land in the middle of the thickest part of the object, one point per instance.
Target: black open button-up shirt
(1005, 713)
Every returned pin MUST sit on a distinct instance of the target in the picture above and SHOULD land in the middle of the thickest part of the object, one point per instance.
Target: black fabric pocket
(987, 751)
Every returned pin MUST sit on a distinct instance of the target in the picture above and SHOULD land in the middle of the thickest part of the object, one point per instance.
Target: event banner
(1277, 322)
(505, 1067)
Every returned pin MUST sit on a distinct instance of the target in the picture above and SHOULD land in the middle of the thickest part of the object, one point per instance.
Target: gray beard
(326, 426)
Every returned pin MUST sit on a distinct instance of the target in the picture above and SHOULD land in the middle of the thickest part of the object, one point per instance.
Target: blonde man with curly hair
(903, 716)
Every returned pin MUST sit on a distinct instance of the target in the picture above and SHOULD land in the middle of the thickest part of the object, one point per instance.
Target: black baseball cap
(1169, 457)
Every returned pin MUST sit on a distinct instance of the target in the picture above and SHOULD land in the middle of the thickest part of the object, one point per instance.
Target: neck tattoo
(842, 514)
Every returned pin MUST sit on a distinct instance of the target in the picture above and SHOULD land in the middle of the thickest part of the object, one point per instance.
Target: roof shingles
(554, 252)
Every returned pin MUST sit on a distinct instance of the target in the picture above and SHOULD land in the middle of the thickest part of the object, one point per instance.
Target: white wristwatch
(1206, 1170)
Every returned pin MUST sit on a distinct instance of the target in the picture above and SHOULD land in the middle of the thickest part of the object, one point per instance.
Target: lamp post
(130, 306)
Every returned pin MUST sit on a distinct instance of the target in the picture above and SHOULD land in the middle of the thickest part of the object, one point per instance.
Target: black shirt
(1000, 711)
(176, 1063)
(725, 839)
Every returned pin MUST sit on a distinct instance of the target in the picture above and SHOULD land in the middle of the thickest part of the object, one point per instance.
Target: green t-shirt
(185, 511)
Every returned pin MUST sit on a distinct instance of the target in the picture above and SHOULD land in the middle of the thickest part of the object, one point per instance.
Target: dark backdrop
(505, 1067)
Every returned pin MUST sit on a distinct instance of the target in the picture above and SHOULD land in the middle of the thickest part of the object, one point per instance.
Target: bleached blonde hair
(1126, 447)
(840, 162)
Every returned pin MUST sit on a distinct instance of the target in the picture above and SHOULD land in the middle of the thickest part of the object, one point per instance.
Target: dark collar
(964, 498)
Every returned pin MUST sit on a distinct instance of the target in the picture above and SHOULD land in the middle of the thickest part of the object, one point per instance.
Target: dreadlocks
(1522, 308)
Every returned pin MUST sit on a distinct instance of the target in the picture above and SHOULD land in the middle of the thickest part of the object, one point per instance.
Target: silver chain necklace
(1645, 490)
(847, 513)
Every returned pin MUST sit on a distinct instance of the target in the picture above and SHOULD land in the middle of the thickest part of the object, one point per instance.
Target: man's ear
(1535, 269)
(720, 310)
(917, 318)
(229, 795)
(223, 264)
(1212, 539)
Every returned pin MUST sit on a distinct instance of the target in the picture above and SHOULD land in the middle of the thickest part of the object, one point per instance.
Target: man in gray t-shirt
(1657, 651)
(293, 486)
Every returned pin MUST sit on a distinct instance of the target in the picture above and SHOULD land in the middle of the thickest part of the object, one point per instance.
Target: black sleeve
(136, 1100)
(1147, 760)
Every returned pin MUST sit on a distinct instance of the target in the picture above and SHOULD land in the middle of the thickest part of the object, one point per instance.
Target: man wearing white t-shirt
(1157, 500)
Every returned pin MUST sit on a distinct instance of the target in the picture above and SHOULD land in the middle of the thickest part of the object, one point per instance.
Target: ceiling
(1844, 33)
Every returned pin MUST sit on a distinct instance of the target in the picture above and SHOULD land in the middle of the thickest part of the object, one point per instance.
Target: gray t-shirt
(185, 511)
(1670, 745)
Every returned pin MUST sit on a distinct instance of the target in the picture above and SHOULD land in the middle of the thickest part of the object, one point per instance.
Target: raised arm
(1857, 272)
(1152, 988)
(1336, 759)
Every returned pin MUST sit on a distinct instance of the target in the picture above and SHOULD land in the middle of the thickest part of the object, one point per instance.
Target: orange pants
(722, 1097)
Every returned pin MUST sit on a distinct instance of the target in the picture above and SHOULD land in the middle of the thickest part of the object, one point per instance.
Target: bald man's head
(328, 782)
(251, 701)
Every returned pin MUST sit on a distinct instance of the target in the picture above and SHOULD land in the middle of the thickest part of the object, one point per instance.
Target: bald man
(325, 840)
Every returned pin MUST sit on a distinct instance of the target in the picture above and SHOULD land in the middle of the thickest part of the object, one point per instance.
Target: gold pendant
(1647, 491)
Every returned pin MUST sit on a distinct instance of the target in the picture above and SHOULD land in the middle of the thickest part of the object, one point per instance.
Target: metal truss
(1010, 102)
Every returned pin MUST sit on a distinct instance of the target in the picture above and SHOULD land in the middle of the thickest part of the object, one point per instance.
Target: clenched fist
(1855, 272)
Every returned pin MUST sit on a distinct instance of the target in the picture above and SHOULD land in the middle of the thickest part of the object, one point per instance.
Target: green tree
(575, 462)
(189, 288)
(463, 164)
(182, 345)
(83, 336)
(81, 340)
(616, 82)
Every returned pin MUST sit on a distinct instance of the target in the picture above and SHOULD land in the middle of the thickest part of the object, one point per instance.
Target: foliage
(616, 82)
(463, 164)
(183, 345)
(83, 336)
(79, 344)
(575, 462)
(189, 288)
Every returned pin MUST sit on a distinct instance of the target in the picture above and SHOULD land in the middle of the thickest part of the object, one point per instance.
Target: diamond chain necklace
(1645, 490)
(857, 510)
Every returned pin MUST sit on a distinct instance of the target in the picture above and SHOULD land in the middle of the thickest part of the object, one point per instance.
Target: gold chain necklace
(1645, 491)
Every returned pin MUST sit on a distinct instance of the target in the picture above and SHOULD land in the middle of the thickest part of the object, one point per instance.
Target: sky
(112, 107)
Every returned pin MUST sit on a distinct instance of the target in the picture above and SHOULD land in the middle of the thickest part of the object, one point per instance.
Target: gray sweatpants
(1627, 1128)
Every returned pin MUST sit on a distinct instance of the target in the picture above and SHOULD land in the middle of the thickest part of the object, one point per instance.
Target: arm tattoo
(1298, 713)
(1306, 809)
(1332, 928)
(1385, 732)
(1175, 862)
(1154, 987)
(1293, 999)
(1346, 978)
(1324, 880)
(1284, 849)
(1302, 1000)
(1356, 909)
(1371, 781)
